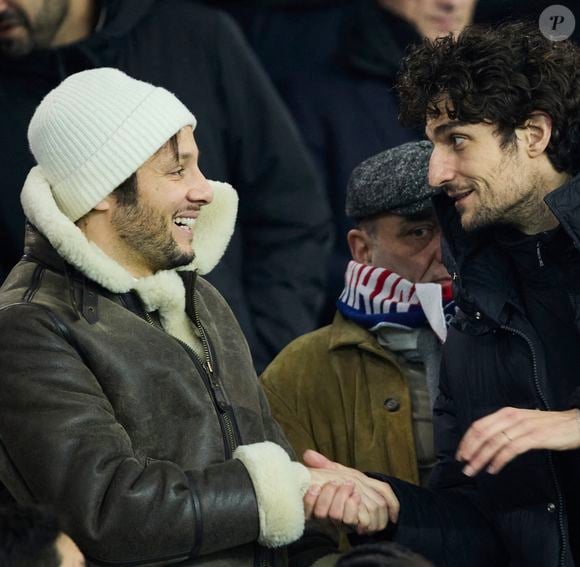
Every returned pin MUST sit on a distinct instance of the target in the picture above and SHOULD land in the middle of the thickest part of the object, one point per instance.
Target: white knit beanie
(95, 129)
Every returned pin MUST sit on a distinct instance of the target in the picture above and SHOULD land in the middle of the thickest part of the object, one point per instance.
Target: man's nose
(441, 169)
(200, 190)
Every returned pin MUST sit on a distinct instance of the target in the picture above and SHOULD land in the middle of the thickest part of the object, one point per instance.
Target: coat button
(478, 315)
(392, 404)
(551, 507)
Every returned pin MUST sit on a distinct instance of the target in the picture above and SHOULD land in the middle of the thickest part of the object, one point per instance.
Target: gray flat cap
(393, 181)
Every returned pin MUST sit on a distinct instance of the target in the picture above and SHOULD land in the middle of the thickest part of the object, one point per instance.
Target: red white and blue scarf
(375, 297)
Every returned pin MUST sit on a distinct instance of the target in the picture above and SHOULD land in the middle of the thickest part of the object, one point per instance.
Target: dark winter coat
(335, 67)
(273, 273)
(493, 358)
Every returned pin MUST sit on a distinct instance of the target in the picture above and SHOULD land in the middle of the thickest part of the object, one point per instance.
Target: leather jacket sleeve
(61, 444)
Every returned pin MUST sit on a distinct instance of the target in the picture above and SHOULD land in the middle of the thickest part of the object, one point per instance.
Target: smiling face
(407, 245)
(489, 183)
(26, 25)
(156, 231)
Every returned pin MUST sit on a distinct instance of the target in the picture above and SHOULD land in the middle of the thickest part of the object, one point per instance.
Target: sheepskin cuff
(280, 485)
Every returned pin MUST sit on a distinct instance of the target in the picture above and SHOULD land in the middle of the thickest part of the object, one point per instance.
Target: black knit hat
(393, 181)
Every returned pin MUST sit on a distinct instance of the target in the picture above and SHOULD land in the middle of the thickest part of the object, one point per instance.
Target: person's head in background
(31, 537)
(396, 228)
(382, 555)
(29, 25)
(433, 18)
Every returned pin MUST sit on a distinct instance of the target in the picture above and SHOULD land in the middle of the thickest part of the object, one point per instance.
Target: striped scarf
(375, 297)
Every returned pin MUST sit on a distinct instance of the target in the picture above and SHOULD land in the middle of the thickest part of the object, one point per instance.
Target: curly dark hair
(499, 75)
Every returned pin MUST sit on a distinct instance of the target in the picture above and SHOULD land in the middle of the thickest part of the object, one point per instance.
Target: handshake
(347, 497)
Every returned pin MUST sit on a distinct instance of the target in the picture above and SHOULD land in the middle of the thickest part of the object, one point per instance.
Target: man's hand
(347, 496)
(496, 439)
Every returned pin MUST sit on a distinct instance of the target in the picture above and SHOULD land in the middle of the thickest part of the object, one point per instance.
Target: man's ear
(536, 133)
(360, 244)
(106, 204)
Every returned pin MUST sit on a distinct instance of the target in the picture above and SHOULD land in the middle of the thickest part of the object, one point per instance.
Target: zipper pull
(539, 255)
(219, 396)
(209, 366)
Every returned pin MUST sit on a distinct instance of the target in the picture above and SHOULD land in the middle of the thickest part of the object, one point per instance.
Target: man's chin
(14, 47)
(183, 258)
(471, 223)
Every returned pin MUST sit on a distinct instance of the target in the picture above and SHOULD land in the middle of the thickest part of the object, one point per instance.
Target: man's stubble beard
(525, 208)
(147, 234)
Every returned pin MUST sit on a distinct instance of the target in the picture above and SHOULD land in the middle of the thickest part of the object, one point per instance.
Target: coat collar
(564, 202)
(347, 334)
(163, 291)
(482, 272)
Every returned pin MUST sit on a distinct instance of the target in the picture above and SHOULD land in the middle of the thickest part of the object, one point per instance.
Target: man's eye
(180, 172)
(421, 232)
(457, 141)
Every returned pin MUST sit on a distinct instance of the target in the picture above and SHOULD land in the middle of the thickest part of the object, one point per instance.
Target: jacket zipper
(262, 556)
(212, 385)
(222, 402)
(218, 398)
(541, 395)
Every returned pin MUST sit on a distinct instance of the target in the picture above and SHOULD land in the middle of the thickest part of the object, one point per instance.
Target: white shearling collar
(163, 291)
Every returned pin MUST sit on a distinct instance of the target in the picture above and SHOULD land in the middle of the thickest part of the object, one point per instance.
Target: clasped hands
(347, 497)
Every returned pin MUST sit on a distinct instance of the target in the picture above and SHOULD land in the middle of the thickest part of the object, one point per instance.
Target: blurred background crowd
(290, 96)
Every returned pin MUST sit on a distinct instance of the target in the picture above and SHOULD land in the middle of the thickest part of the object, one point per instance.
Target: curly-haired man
(502, 108)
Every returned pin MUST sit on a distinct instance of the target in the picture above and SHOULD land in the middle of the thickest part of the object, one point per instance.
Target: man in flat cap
(359, 390)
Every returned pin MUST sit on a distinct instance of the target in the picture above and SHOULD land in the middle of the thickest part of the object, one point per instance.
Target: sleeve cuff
(280, 485)
(575, 402)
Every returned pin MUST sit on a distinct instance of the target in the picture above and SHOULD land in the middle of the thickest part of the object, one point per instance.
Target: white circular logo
(557, 22)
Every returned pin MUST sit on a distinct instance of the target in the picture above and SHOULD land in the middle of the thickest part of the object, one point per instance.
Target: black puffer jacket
(273, 272)
(493, 358)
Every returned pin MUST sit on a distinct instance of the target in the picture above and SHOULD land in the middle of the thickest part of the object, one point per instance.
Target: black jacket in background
(334, 65)
(494, 358)
(273, 272)
(348, 111)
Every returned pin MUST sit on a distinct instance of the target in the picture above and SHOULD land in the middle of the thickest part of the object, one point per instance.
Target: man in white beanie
(273, 274)
(129, 401)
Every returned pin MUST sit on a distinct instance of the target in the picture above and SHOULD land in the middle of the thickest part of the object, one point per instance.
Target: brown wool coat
(328, 390)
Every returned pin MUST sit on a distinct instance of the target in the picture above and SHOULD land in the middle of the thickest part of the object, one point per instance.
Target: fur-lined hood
(162, 291)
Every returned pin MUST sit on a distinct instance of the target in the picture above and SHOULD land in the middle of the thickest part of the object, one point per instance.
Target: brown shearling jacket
(122, 429)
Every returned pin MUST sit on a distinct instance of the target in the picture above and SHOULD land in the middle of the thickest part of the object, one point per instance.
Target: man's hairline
(456, 123)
